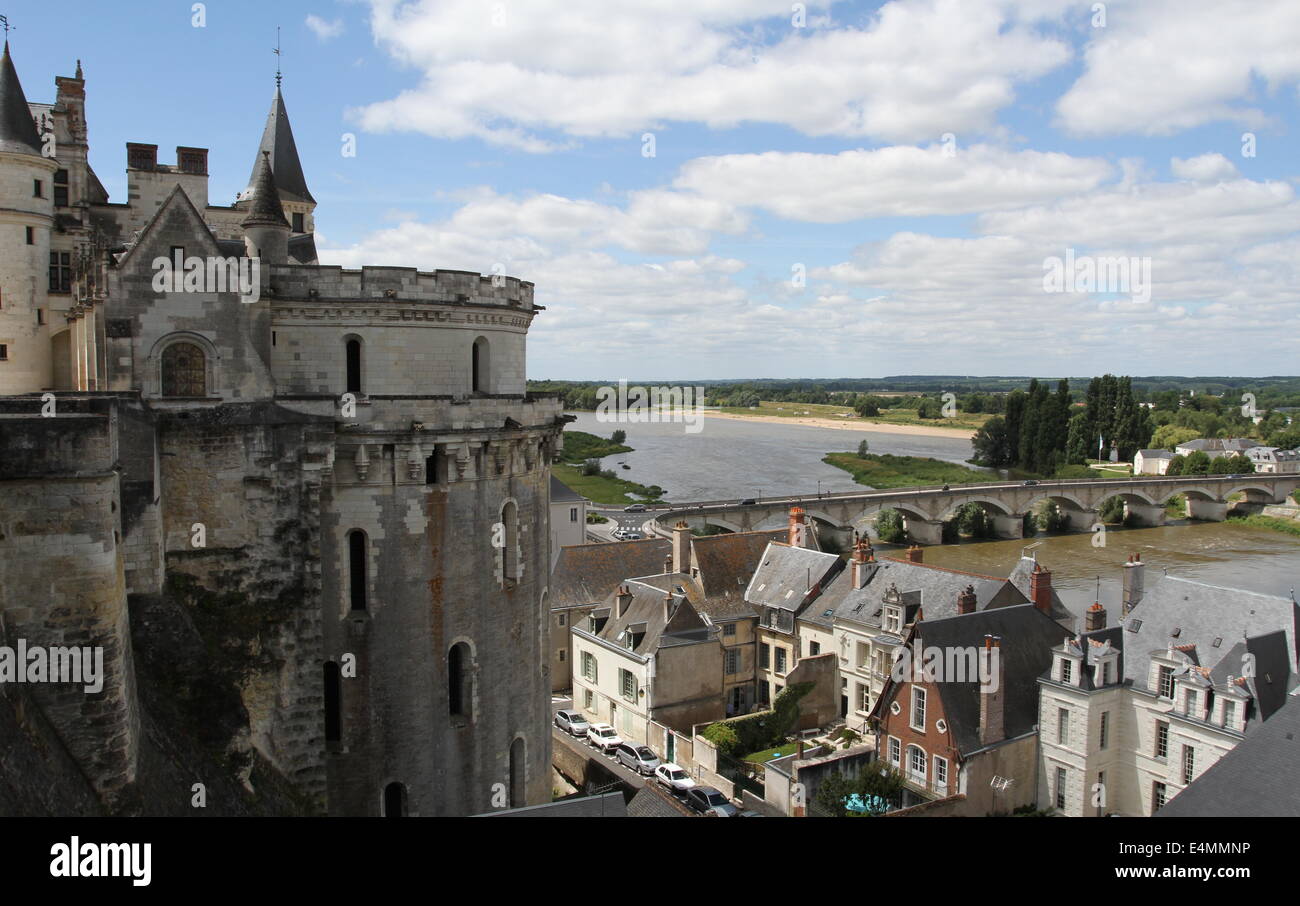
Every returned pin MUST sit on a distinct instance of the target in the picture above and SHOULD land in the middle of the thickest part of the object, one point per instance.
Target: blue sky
(511, 134)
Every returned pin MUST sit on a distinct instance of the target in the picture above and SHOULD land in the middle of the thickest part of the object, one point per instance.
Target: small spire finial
(79, 69)
(4, 23)
(278, 77)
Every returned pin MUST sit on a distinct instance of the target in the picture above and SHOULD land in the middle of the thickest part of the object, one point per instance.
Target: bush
(723, 736)
(591, 467)
(862, 448)
(889, 526)
(1112, 510)
(618, 436)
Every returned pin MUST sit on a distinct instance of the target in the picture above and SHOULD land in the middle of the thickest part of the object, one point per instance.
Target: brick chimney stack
(915, 554)
(862, 556)
(966, 600)
(991, 725)
(681, 548)
(1040, 589)
(1134, 575)
(668, 607)
(624, 599)
(1094, 618)
(797, 532)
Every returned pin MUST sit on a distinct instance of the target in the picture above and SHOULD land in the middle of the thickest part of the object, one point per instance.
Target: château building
(337, 476)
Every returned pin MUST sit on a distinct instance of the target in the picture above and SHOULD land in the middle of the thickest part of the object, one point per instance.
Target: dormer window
(893, 620)
(1230, 714)
(1165, 681)
(1065, 670)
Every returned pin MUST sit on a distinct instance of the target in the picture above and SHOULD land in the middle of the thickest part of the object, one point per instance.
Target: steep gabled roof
(787, 574)
(277, 140)
(18, 133)
(726, 563)
(588, 573)
(938, 587)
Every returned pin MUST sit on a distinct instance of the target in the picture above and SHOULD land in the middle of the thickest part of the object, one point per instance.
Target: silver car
(638, 758)
(572, 722)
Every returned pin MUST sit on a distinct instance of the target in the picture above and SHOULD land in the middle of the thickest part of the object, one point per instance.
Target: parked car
(634, 508)
(673, 777)
(572, 722)
(638, 758)
(617, 534)
(710, 802)
(631, 535)
(604, 737)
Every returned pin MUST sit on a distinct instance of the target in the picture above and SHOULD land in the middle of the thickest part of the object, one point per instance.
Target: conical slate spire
(18, 133)
(277, 140)
(266, 209)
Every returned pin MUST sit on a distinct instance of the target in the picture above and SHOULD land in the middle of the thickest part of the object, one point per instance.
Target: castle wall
(62, 581)
(24, 272)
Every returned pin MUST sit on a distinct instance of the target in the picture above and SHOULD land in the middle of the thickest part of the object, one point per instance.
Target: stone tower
(26, 219)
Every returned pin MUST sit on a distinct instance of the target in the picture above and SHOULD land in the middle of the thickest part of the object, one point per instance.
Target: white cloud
(1204, 168)
(586, 68)
(323, 29)
(1162, 66)
(898, 180)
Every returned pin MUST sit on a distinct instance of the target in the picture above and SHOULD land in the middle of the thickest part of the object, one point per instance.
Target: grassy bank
(1276, 523)
(602, 488)
(886, 471)
(966, 421)
(580, 446)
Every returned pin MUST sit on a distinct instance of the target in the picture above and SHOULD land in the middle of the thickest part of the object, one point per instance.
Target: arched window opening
(395, 800)
(357, 569)
(517, 773)
(354, 366)
(333, 711)
(184, 371)
(508, 558)
(460, 684)
(480, 365)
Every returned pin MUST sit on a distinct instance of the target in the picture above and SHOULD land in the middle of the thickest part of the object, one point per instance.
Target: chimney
(1040, 589)
(668, 564)
(668, 607)
(966, 600)
(862, 556)
(800, 756)
(1094, 618)
(991, 729)
(624, 599)
(1134, 572)
(797, 532)
(681, 548)
(915, 554)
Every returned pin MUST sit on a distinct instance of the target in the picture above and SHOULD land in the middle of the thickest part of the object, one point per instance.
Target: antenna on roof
(1030, 547)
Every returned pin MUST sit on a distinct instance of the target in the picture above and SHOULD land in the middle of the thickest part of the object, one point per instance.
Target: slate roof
(266, 209)
(1260, 777)
(1219, 444)
(607, 805)
(587, 573)
(727, 561)
(562, 493)
(646, 614)
(1020, 579)
(277, 139)
(1210, 622)
(302, 248)
(938, 588)
(1027, 638)
(18, 133)
(1094, 645)
(782, 577)
(649, 804)
(1155, 454)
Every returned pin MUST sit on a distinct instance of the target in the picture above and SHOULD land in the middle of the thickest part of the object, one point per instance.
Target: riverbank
(885, 471)
(845, 424)
(603, 489)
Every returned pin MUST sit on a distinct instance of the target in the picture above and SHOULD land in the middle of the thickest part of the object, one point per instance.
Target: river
(732, 459)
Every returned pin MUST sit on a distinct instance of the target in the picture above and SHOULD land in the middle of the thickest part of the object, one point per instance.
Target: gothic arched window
(184, 371)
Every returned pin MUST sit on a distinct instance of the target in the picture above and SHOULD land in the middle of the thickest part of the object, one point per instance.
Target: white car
(604, 737)
(673, 777)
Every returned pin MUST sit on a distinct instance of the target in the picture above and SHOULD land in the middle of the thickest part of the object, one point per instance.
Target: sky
(714, 189)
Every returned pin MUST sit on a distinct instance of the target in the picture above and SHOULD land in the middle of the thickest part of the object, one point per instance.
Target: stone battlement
(406, 284)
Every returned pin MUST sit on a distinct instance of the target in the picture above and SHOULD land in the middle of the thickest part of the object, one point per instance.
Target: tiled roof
(727, 561)
(938, 588)
(562, 493)
(18, 133)
(648, 803)
(783, 577)
(587, 573)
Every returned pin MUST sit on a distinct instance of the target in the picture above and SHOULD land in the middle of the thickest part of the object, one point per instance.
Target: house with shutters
(1132, 714)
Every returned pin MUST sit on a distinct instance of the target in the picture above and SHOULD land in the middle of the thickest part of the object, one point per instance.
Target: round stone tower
(26, 217)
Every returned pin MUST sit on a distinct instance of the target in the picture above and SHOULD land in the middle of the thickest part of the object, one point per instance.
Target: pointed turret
(277, 141)
(18, 133)
(266, 231)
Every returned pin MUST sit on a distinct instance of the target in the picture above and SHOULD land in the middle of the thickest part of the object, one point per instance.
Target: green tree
(1167, 437)
(878, 787)
(1222, 465)
(990, 444)
(862, 448)
(889, 526)
(618, 436)
(1198, 463)
(1177, 466)
(1111, 510)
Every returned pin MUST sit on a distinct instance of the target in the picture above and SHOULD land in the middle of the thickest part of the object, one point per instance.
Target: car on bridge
(672, 777)
(572, 722)
(604, 737)
(639, 758)
(710, 802)
(749, 501)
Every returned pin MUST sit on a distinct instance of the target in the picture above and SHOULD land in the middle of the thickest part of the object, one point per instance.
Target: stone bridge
(1007, 502)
